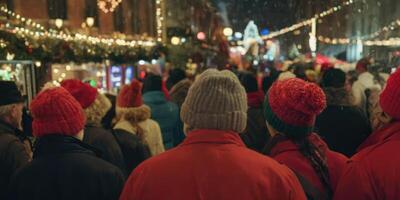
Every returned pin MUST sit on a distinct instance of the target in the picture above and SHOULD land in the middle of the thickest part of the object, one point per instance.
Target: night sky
(271, 14)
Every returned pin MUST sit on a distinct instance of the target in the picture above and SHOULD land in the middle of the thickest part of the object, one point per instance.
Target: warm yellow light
(175, 40)
(228, 31)
(90, 21)
(59, 23)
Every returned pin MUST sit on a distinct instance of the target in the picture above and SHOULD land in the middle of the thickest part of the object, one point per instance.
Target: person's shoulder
(9, 142)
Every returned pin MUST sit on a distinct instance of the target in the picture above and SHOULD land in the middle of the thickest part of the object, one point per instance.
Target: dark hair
(249, 81)
(311, 152)
(333, 78)
(270, 79)
(152, 83)
(175, 76)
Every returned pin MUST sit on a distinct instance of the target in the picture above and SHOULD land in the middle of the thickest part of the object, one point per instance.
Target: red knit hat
(55, 111)
(390, 97)
(292, 105)
(362, 64)
(130, 95)
(82, 92)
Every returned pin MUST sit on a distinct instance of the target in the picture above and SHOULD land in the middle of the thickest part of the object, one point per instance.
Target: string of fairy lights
(38, 31)
(367, 39)
(159, 19)
(308, 22)
(108, 5)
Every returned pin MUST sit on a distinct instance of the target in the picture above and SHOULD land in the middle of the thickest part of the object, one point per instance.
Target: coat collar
(6, 128)
(156, 97)
(59, 144)
(212, 137)
(381, 135)
(286, 145)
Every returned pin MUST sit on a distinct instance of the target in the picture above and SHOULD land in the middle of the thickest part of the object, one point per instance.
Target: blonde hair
(99, 108)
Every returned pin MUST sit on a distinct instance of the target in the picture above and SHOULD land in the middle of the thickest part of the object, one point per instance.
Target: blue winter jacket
(166, 114)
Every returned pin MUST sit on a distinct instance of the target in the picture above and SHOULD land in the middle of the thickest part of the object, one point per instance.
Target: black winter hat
(175, 76)
(249, 81)
(9, 93)
(152, 83)
(333, 78)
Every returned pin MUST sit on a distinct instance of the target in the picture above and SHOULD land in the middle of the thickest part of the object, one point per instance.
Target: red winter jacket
(373, 173)
(287, 153)
(212, 165)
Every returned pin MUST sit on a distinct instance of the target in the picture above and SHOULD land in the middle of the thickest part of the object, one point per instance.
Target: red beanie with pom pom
(130, 95)
(292, 105)
(55, 111)
(83, 92)
(390, 97)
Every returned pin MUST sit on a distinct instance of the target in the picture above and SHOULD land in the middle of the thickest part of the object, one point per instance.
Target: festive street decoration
(308, 22)
(29, 40)
(108, 5)
(160, 20)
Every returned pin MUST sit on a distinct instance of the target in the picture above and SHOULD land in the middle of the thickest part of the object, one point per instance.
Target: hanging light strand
(38, 31)
(308, 21)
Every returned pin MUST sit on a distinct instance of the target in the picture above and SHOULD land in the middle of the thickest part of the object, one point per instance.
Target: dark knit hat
(55, 111)
(390, 97)
(152, 83)
(175, 76)
(9, 93)
(216, 100)
(335, 78)
(249, 82)
(83, 92)
(291, 106)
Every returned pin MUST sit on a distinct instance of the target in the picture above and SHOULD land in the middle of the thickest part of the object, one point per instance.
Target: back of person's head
(216, 100)
(270, 79)
(249, 81)
(291, 107)
(95, 105)
(179, 92)
(56, 112)
(175, 75)
(363, 65)
(152, 83)
(335, 78)
(390, 97)
(10, 103)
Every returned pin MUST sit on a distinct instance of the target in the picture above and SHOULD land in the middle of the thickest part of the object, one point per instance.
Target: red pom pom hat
(83, 92)
(292, 105)
(56, 112)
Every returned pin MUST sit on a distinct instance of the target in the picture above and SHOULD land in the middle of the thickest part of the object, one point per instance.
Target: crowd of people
(220, 135)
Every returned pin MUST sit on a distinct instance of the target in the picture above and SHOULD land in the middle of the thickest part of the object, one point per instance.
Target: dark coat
(105, 142)
(12, 156)
(64, 168)
(133, 149)
(212, 164)
(373, 173)
(288, 153)
(256, 134)
(166, 114)
(342, 126)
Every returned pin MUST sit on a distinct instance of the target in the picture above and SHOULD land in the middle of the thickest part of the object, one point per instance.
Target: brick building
(130, 17)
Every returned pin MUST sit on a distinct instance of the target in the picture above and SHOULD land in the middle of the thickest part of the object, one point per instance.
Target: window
(57, 9)
(91, 10)
(119, 19)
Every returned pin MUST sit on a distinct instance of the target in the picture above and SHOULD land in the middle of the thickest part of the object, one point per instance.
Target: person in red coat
(291, 107)
(213, 163)
(373, 173)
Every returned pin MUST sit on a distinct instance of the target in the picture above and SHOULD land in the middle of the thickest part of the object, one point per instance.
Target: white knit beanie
(216, 100)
